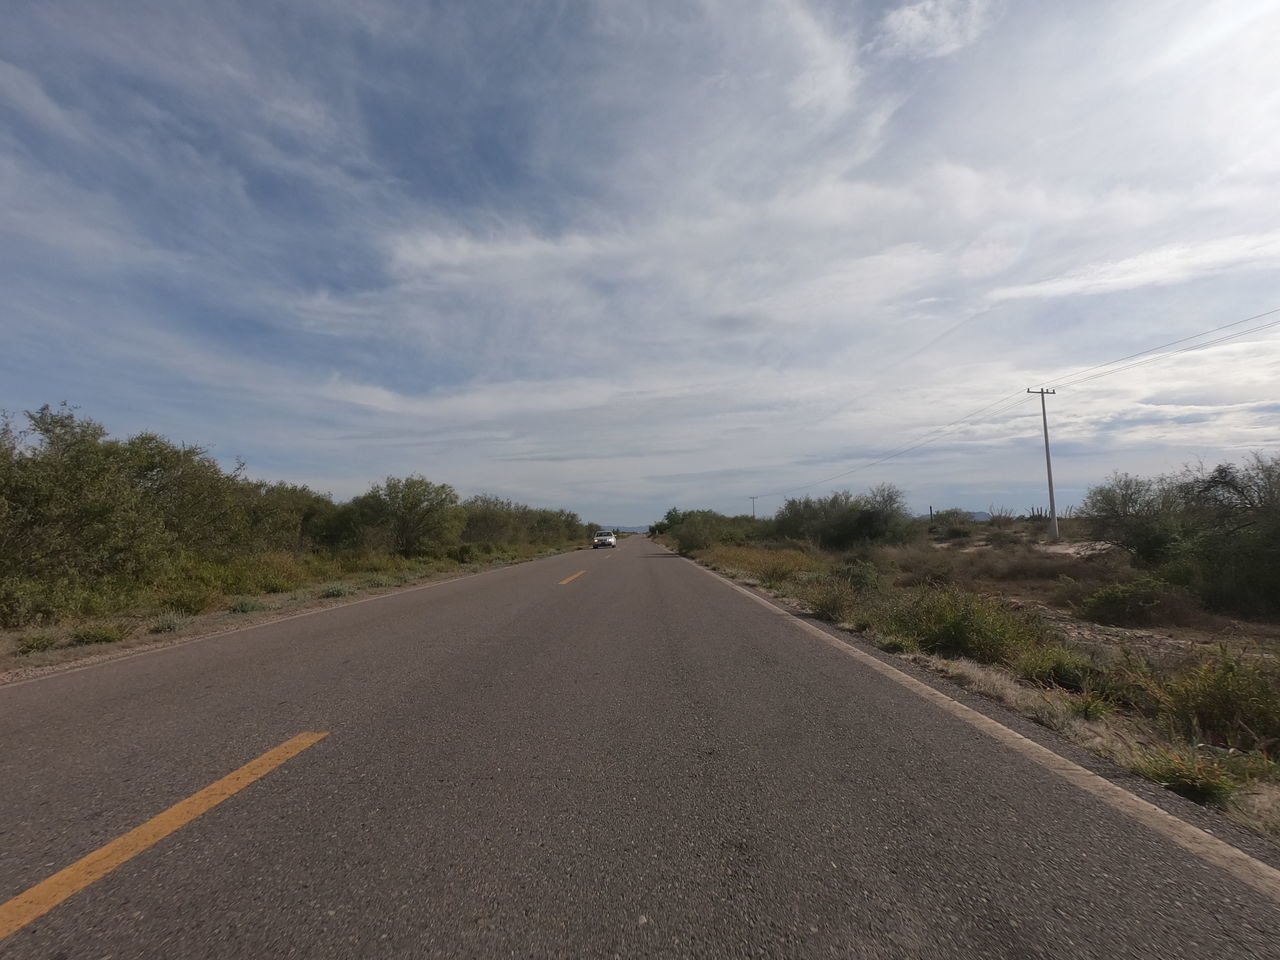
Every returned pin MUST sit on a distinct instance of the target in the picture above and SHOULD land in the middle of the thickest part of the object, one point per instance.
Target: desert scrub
(36, 643)
(829, 599)
(1054, 664)
(772, 568)
(167, 623)
(1229, 701)
(951, 622)
(1189, 773)
(330, 592)
(1141, 602)
(246, 605)
(98, 633)
(191, 600)
(860, 576)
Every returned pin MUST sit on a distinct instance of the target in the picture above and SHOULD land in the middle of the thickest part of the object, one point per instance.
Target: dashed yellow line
(572, 578)
(46, 895)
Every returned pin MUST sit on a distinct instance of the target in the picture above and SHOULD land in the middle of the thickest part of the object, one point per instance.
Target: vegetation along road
(610, 753)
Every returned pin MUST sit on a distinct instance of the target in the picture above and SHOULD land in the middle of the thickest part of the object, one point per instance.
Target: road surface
(636, 761)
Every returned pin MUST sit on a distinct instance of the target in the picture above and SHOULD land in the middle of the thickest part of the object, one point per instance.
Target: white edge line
(1261, 876)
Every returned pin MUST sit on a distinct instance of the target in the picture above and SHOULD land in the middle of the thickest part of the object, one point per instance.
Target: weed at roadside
(167, 623)
(36, 643)
(1188, 773)
(98, 633)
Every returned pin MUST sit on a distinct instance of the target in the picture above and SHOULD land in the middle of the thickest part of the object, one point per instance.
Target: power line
(1172, 343)
(1172, 353)
(1010, 401)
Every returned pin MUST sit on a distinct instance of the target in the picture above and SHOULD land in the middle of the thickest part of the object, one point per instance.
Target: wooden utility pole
(753, 506)
(1048, 462)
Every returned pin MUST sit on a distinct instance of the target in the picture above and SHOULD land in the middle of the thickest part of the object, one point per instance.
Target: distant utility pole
(1048, 462)
(753, 506)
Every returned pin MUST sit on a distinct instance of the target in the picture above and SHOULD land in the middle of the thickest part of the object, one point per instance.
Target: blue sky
(619, 256)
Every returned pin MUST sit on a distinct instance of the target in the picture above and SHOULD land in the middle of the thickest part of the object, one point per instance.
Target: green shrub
(776, 568)
(1090, 706)
(830, 600)
(1053, 664)
(922, 566)
(1131, 683)
(36, 643)
(1189, 773)
(952, 622)
(246, 605)
(1144, 601)
(333, 591)
(1229, 701)
(167, 623)
(861, 576)
(192, 599)
(98, 633)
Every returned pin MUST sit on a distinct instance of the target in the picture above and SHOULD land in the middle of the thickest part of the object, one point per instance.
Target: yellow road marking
(573, 578)
(46, 895)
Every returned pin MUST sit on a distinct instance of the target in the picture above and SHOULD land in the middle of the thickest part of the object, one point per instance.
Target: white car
(604, 539)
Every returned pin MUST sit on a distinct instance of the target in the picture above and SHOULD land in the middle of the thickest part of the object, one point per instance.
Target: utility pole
(753, 506)
(1048, 463)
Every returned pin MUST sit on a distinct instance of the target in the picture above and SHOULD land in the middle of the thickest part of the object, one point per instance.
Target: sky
(619, 256)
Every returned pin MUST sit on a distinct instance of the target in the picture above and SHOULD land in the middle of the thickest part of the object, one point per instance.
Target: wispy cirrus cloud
(935, 28)
(742, 244)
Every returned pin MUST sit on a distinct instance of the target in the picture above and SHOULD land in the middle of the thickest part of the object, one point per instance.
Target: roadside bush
(98, 633)
(168, 623)
(36, 643)
(1140, 602)
(861, 576)
(920, 565)
(1228, 701)
(246, 605)
(829, 599)
(1189, 773)
(952, 622)
(1054, 664)
(190, 600)
(1090, 706)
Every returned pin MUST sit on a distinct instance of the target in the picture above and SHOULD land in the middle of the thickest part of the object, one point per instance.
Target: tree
(419, 516)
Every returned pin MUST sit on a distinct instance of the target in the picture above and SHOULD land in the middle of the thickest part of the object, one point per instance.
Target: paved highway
(637, 761)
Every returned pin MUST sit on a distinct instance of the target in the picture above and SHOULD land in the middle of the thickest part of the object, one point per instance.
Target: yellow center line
(573, 578)
(46, 895)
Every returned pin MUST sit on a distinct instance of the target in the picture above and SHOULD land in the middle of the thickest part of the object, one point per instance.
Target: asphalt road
(641, 762)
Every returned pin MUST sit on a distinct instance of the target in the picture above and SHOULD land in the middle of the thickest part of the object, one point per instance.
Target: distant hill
(644, 529)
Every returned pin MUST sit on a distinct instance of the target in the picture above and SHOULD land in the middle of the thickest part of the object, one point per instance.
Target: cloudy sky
(619, 256)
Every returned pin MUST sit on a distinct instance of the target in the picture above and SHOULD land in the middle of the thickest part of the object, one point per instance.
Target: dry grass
(1146, 714)
(178, 612)
(1257, 807)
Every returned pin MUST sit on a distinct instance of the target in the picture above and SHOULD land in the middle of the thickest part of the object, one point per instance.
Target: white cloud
(745, 244)
(935, 28)
(1174, 263)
